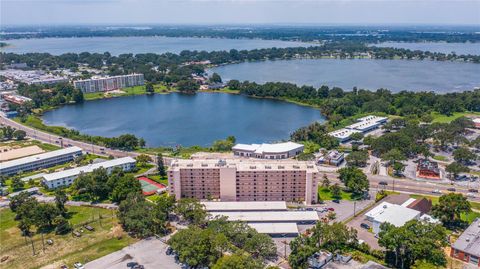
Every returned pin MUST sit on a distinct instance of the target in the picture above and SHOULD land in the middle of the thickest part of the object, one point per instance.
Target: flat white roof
(372, 118)
(396, 215)
(363, 125)
(88, 168)
(343, 133)
(269, 216)
(42, 156)
(275, 228)
(244, 206)
(268, 148)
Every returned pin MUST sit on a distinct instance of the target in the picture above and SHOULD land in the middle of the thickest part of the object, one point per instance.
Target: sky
(329, 12)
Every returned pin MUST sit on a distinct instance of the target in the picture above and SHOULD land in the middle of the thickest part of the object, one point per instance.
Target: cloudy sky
(34, 12)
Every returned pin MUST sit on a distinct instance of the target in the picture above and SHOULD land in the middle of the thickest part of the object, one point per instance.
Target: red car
(331, 209)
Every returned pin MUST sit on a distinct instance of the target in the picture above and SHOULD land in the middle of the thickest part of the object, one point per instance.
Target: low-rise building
(15, 98)
(102, 84)
(300, 217)
(396, 215)
(476, 122)
(245, 206)
(343, 135)
(333, 157)
(244, 180)
(287, 229)
(428, 169)
(40, 161)
(66, 177)
(32, 76)
(467, 247)
(268, 151)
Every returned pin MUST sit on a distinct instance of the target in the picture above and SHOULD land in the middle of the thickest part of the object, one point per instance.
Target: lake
(139, 44)
(171, 119)
(395, 75)
(442, 47)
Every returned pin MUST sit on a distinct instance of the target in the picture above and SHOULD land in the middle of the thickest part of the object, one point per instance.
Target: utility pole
(394, 185)
(354, 208)
(43, 243)
(33, 247)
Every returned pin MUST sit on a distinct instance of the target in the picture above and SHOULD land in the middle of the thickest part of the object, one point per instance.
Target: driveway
(149, 252)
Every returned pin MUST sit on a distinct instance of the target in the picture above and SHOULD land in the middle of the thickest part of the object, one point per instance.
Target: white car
(78, 265)
(436, 191)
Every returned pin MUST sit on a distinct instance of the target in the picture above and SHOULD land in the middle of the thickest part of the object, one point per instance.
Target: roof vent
(384, 206)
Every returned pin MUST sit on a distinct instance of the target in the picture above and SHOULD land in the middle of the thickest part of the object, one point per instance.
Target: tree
(44, 215)
(392, 156)
(450, 208)
(187, 86)
(62, 226)
(455, 169)
(191, 211)
(398, 168)
(135, 216)
(161, 211)
(215, 78)
(124, 186)
(413, 241)
(356, 137)
(354, 179)
(19, 134)
(195, 246)
(17, 184)
(224, 145)
(149, 89)
(161, 165)
(237, 261)
(336, 190)
(357, 158)
(60, 200)
(464, 156)
(326, 181)
(143, 159)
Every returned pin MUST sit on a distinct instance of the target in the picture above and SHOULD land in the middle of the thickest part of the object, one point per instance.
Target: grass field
(137, 90)
(446, 119)
(440, 158)
(159, 179)
(107, 237)
(326, 195)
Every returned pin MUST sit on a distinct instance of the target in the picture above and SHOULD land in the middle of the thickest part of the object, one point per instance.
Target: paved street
(149, 252)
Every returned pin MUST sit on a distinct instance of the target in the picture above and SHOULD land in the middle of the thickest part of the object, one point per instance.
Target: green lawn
(326, 195)
(137, 90)
(107, 237)
(159, 179)
(446, 119)
(440, 158)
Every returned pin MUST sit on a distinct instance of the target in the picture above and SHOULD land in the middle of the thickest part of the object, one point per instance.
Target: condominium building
(40, 161)
(268, 151)
(244, 180)
(66, 177)
(102, 84)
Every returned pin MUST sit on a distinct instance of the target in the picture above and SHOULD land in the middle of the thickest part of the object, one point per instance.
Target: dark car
(138, 266)
(451, 189)
(336, 201)
(309, 209)
(169, 251)
(90, 228)
(365, 226)
(473, 190)
(384, 183)
(132, 264)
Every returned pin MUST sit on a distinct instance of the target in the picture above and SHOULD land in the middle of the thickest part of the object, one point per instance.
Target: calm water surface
(395, 75)
(140, 44)
(442, 47)
(167, 120)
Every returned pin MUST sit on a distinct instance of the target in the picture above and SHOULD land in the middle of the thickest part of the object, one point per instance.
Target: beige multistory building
(244, 180)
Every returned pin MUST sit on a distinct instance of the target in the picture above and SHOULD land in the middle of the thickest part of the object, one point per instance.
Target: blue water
(395, 75)
(442, 47)
(139, 44)
(171, 119)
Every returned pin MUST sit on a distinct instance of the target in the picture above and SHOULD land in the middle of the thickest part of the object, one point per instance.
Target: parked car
(131, 264)
(138, 266)
(309, 209)
(50, 241)
(331, 209)
(77, 234)
(473, 190)
(169, 251)
(451, 189)
(90, 228)
(470, 194)
(78, 265)
(336, 201)
(64, 266)
(436, 191)
(384, 183)
(365, 226)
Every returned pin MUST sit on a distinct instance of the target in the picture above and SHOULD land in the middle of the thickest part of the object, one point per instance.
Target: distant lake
(442, 47)
(172, 119)
(139, 44)
(395, 75)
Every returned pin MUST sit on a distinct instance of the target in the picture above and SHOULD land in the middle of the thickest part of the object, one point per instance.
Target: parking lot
(149, 252)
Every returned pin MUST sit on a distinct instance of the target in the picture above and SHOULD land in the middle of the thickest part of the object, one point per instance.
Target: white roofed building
(40, 161)
(343, 135)
(268, 151)
(275, 229)
(66, 177)
(300, 217)
(246, 206)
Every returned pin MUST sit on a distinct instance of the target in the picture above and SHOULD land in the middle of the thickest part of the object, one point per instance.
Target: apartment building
(40, 161)
(268, 151)
(244, 180)
(66, 177)
(102, 84)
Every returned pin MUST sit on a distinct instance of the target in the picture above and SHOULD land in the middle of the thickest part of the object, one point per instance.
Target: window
(474, 260)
